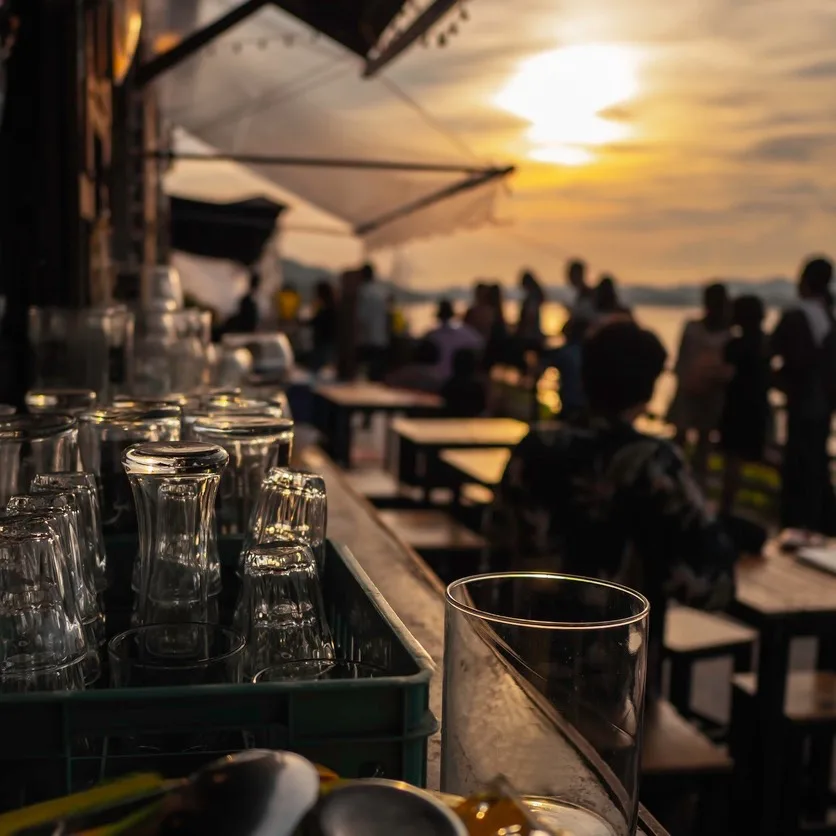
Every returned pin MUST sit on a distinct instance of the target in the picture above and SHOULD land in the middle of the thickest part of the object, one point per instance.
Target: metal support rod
(325, 162)
(155, 67)
(423, 23)
(422, 203)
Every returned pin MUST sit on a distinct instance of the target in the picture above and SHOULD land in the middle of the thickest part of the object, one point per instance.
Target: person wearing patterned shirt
(598, 498)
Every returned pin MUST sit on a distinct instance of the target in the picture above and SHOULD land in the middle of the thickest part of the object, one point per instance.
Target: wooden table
(783, 599)
(417, 596)
(485, 467)
(420, 441)
(335, 404)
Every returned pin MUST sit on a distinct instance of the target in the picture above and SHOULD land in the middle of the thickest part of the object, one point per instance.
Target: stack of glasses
(121, 470)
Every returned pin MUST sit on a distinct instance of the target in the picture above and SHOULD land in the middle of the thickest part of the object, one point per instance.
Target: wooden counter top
(417, 596)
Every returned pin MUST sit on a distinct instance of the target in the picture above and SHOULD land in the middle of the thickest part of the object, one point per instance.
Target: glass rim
(24, 672)
(36, 426)
(547, 625)
(116, 641)
(336, 663)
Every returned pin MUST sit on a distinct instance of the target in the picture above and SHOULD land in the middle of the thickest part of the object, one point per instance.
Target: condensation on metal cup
(544, 678)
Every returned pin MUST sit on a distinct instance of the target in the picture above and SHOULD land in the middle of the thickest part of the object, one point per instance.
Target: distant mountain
(775, 292)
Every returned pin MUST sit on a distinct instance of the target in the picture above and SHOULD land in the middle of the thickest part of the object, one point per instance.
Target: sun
(564, 95)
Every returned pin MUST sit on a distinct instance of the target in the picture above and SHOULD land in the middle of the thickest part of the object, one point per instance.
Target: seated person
(598, 498)
(464, 392)
(421, 372)
(567, 360)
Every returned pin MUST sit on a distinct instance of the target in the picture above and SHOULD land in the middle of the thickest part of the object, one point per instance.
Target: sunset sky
(663, 142)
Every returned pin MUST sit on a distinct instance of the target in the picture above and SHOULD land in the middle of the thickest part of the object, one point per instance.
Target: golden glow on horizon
(562, 95)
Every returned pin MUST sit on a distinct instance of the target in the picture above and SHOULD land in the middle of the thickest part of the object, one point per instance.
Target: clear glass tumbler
(255, 443)
(544, 680)
(103, 436)
(31, 444)
(174, 486)
(164, 655)
(310, 670)
(66, 401)
(42, 641)
(83, 487)
(280, 609)
(292, 503)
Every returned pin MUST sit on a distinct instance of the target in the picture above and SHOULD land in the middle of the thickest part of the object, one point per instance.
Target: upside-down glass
(103, 436)
(83, 487)
(67, 401)
(31, 444)
(90, 347)
(63, 509)
(255, 443)
(292, 503)
(544, 681)
(174, 486)
(280, 609)
(223, 406)
(205, 654)
(42, 641)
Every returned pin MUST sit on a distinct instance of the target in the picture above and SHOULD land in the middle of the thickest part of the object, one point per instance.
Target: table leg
(773, 662)
(342, 435)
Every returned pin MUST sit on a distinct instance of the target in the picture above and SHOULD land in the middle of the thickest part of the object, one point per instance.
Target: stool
(691, 635)
(808, 729)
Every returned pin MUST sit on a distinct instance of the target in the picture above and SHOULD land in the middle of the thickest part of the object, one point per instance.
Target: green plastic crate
(55, 743)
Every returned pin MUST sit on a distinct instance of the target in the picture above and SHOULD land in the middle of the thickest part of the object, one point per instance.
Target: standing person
(582, 309)
(245, 319)
(701, 377)
(568, 360)
(465, 393)
(803, 342)
(496, 348)
(451, 336)
(323, 326)
(744, 422)
(479, 315)
(608, 305)
(372, 324)
(529, 328)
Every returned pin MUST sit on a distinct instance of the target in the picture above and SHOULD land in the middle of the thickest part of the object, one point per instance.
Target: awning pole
(150, 70)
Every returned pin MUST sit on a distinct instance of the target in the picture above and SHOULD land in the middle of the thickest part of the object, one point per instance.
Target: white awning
(271, 88)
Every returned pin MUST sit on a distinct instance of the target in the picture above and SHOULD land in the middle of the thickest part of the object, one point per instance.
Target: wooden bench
(685, 772)
(451, 549)
(381, 488)
(691, 635)
(808, 730)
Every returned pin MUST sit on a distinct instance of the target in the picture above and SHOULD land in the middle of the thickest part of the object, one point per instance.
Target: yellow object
(287, 304)
(398, 322)
(104, 795)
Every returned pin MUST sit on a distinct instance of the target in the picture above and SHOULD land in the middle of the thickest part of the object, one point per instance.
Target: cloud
(794, 148)
(822, 69)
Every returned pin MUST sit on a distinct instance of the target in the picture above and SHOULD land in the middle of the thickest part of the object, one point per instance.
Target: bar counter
(417, 596)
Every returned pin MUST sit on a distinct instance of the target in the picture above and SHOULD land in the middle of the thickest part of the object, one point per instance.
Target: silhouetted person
(373, 330)
(451, 335)
(608, 305)
(479, 315)
(465, 393)
(582, 307)
(323, 326)
(701, 376)
(745, 420)
(529, 328)
(803, 342)
(245, 319)
(420, 372)
(598, 498)
(496, 349)
(568, 360)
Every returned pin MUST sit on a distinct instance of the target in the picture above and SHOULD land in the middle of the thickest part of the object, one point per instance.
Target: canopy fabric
(233, 231)
(268, 88)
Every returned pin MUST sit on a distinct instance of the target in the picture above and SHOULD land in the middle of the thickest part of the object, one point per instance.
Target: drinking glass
(31, 444)
(310, 670)
(204, 654)
(66, 401)
(83, 487)
(42, 642)
(544, 681)
(174, 486)
(63, 509)
(275, 397)
(291, 502)
(223, 405)
(103, 436)
(254, 443)
(280, 609)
